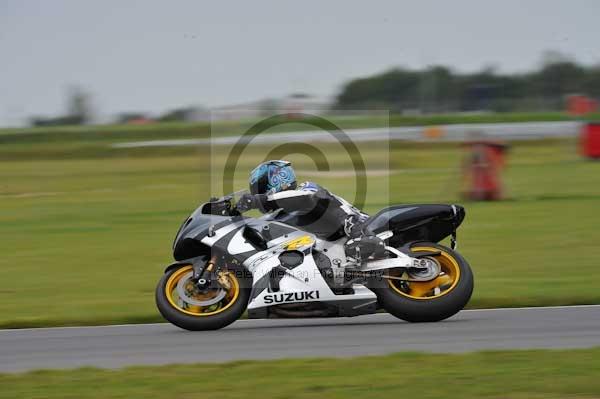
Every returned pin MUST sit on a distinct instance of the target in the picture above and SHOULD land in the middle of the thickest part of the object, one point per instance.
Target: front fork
(202, 271)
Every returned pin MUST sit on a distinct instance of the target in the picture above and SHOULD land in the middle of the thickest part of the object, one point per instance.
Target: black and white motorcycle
(227, 263)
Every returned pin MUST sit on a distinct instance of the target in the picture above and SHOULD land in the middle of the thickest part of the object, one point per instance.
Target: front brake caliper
(223, 280)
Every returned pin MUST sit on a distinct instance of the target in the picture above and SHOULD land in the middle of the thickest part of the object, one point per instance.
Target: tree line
(439, 89)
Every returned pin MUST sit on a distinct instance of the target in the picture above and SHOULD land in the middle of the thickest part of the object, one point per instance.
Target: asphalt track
(153, 344)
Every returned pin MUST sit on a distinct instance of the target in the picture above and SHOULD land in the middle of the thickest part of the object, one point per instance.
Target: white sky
(156, 55)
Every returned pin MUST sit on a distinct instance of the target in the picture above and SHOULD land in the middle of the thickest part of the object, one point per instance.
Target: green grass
(86, 141)
(85, 240)
(346, 122)
(507, 374)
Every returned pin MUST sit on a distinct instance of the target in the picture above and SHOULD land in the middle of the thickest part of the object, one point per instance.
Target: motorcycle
(227, 264)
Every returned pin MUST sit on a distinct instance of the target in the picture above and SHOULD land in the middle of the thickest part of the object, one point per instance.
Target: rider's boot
(365, 247)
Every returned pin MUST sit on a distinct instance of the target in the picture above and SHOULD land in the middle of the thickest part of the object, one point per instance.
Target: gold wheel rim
(193, 310)
(420, 290)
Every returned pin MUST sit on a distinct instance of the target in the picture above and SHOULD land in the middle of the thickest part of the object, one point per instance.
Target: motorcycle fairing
(187, 243)
(227, 237)
(297, 282)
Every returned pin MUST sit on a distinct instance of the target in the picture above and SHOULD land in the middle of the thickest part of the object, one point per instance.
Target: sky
(152, 56)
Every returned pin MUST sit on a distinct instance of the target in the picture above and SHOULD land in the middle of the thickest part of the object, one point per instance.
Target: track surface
(118, 346)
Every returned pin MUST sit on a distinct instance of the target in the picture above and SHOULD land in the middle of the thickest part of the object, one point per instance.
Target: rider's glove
(246, 202)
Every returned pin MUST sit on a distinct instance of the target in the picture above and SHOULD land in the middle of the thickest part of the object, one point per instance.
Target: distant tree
(592, 81)
(397, 88)
(128, 117)
(79, 110)
(58, 121)
(177, 115)
(79, 107)
(439, 89)
(559, 79)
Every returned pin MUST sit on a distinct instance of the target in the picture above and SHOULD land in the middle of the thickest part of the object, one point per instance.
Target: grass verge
(346, 121)
(85, 240)
(505, 374)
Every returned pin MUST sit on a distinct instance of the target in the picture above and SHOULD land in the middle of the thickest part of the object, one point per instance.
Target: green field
(84, 142)
(510, 374)
(345, 122)
(86, 229)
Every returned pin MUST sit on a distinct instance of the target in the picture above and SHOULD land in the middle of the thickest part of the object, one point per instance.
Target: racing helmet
(272, 177)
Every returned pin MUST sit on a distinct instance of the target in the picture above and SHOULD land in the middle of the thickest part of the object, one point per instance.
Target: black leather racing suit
(313, 208)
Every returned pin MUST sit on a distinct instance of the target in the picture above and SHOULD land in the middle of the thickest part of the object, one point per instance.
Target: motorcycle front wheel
(428, 301)
(181, 303)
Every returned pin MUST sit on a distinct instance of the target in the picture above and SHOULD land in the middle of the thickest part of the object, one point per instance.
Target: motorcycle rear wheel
(193, 317)
(433, 300)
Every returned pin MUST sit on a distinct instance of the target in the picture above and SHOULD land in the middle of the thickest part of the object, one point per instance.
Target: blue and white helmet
(272, 177)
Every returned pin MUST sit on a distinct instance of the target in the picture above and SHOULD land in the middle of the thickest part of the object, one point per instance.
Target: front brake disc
(184, 295)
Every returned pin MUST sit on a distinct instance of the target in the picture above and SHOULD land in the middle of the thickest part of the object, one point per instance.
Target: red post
(482, 170)
(590, 140)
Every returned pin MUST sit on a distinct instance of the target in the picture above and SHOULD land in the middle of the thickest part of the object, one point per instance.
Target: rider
(273, 188)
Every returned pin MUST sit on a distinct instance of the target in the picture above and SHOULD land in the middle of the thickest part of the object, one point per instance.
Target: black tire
(431, 309)
(201, 323)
